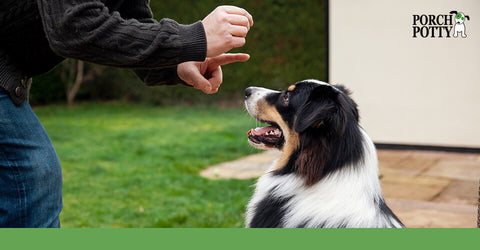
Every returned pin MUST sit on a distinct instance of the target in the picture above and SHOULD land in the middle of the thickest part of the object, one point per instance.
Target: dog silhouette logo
(459, 23)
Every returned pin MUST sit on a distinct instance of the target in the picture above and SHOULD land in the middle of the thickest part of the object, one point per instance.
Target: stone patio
(424, 188)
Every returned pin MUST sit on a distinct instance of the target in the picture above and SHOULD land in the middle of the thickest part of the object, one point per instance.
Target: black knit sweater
(35, 35)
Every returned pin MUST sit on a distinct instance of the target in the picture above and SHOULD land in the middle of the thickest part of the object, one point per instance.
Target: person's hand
(226, 27)
(207, 75)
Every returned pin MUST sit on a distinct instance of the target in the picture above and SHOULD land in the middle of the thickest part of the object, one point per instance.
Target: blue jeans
(30, 172)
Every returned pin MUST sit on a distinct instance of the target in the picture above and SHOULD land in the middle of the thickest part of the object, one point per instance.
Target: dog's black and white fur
(327, 175)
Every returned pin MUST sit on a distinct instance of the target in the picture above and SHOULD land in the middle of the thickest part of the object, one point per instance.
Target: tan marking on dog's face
(268, 112)
(291, 87)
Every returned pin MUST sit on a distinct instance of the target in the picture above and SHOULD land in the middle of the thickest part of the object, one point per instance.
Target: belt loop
(28, 85)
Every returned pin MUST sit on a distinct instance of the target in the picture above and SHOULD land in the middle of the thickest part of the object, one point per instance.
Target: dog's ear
(349, 101)
(321, 109)
(312, 158)
(467, 17)
(453, 12)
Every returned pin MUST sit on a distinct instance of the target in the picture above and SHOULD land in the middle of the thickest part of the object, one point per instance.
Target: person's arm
(140, 10)
(206, 76)
(86, 30)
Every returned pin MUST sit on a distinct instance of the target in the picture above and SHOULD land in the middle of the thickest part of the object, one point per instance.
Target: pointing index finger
(228, 58)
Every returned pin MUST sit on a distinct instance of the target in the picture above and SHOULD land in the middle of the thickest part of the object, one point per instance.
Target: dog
(459, 23)
(327, 175)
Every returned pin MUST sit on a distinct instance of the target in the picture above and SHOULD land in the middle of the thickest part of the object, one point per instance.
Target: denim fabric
(30, 172)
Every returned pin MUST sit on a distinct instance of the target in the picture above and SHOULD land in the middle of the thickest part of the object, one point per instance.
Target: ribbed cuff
(194, 42)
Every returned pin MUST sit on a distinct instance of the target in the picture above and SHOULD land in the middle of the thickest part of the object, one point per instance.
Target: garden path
(427, 189)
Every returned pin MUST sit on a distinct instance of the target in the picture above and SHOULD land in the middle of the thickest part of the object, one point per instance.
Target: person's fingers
(237, 42)
(228, 58)
(215, 79)
(239, 20)
(203, 85)
(198, 81)
(196, 74)
(214, 71)
(238, 31)
(239, 11)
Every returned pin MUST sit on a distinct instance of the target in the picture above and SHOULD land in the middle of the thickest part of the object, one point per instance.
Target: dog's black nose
(248, 92)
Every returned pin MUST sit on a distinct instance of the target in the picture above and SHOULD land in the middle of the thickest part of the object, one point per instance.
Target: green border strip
(293, 239)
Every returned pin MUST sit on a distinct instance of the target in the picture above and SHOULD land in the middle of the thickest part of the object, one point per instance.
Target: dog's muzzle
(261, 137)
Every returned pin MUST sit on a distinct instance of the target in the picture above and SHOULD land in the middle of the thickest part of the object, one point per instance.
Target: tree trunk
(72, 92)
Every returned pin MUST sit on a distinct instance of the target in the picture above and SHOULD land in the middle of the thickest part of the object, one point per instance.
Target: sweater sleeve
(86, 30)
(140, 10)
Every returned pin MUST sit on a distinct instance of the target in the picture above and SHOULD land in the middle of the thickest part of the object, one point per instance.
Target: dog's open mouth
(266, 137)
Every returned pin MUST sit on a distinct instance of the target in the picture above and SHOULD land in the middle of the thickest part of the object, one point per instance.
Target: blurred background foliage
(287, 43)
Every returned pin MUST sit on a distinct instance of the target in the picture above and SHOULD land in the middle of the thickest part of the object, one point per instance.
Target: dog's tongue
(260, 131)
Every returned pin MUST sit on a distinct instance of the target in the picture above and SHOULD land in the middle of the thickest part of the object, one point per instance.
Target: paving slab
(248, 167)
(425, 214)
(392, 156)
(459, 192)
(459, 169)
(410, 165)
(413, 188)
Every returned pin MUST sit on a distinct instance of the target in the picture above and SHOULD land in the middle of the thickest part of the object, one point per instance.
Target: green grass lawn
(137, 166)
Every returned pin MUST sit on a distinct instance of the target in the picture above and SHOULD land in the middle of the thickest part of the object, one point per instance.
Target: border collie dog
(327, 175)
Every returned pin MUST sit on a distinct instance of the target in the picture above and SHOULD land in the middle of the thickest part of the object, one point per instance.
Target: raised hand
(207, 75)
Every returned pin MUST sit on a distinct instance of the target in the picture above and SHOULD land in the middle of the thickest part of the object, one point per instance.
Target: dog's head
(459, 17)
(307, 119)
(309, 106)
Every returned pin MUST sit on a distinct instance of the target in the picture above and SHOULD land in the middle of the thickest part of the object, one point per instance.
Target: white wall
(416, 91)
